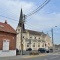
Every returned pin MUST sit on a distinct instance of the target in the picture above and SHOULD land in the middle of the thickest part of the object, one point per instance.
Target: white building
(31, 39)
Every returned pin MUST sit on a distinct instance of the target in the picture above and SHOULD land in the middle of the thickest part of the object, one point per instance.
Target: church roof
(36, 33)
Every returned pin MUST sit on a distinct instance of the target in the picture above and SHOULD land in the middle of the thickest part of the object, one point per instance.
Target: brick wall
(9, 36)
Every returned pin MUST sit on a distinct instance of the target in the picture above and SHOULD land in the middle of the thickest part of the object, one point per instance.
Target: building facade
(7, 40)
(31, 39)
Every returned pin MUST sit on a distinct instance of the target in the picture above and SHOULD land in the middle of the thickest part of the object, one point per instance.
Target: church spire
(21, 20)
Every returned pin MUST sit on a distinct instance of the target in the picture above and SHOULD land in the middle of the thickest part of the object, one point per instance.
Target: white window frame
(6, 45)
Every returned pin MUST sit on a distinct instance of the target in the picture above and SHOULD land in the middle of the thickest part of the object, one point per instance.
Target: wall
(7, 53)
(12, 44)
(28, 35)
(9, 36)
(48, 42)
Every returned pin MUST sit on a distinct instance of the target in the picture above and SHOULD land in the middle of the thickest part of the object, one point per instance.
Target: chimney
(5, 21)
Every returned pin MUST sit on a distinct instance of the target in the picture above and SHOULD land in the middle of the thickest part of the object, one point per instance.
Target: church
(31, 39)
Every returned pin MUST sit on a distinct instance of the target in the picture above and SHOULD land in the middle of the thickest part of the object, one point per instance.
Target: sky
(44, 20)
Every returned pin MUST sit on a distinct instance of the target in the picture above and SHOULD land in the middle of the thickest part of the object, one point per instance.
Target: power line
(39, 8)
(33, 12)
(35, 27)
(8, 17)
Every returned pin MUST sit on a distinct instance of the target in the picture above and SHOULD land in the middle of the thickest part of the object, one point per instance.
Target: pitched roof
(35, 32)
(4, 27)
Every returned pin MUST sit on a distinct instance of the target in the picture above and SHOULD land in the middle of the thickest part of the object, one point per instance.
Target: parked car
(51, 50)
(29, 49)
(42, 50)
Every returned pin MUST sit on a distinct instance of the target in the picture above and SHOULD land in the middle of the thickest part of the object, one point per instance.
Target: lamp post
(52, 38)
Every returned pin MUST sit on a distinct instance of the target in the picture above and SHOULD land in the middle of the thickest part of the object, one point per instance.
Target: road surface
(49, 56)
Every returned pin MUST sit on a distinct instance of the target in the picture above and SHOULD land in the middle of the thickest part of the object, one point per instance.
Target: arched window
(38, 44)
(33, 44)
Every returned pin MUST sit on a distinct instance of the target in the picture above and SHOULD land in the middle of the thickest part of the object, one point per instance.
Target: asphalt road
(55, 56)
(45, 57)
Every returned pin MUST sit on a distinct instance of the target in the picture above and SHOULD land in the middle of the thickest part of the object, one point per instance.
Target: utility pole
(21, 39)
(22, 30)
(52, 39)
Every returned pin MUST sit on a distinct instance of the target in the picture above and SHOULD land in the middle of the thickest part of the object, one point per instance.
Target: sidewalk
(22, 56)
(13, 57)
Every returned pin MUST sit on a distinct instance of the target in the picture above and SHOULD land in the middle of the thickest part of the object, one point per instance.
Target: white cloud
(16, 5)
(39, 21)
(11, 9)
(44, 22)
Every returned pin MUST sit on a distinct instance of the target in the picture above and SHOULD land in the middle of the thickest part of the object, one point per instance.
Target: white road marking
(54, 57)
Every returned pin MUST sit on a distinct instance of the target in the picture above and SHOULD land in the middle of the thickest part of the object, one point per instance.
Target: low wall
(7, 53)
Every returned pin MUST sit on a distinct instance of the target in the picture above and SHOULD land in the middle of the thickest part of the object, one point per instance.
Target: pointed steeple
(21, 20)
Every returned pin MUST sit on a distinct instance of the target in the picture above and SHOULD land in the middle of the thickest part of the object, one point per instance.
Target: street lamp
(52, 38)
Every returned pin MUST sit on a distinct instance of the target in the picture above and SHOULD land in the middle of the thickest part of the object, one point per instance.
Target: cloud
(38, 21)
(11, 9)
(45, 21)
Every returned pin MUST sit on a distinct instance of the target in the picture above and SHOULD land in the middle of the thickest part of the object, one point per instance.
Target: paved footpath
(12, 57)
(20, 57)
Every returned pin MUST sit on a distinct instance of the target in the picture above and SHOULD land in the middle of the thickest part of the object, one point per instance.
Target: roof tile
(6, 28)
